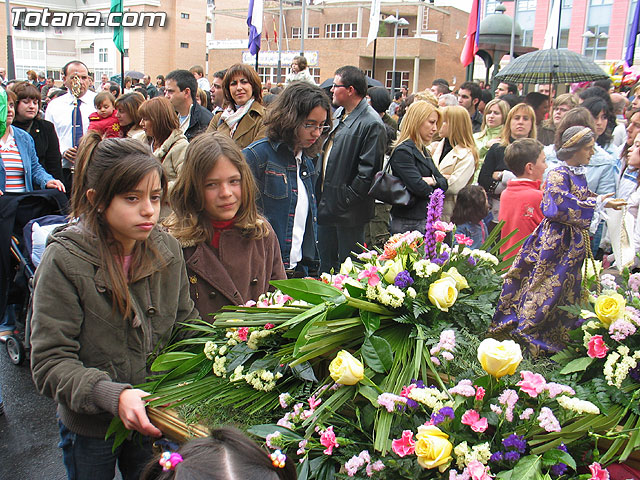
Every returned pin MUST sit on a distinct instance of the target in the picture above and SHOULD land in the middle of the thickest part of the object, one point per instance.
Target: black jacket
(410, 164)
(358, 148)
(493, 162)
(47, 146)
(199, 121)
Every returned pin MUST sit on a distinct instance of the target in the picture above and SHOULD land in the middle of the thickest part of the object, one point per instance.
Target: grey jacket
(83, 353)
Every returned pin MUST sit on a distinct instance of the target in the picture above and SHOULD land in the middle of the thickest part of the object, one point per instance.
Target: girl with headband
(546, 273)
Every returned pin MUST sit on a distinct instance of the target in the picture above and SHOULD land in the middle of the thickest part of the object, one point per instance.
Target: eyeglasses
(333, 85)
(321, 128)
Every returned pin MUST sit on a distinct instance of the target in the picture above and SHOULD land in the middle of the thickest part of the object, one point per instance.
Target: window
(402, 79)
(313, 32)
(340, 30)
(315, 73)
(103, 55)
(527, 38)
(296, 32)
(184, 45)
(184, 15)
(601, 2)
(20, 26)
(527, 5)
(208, 27)
(596, 46)
(29, 55)
(97, 74)
(567, 3)
(270, 74)
(490, 7)
(564, 38)
(367, 73)
(403, 31)
(103, 28)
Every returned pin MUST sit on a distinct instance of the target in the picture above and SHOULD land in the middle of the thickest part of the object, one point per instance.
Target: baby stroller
(21, 215)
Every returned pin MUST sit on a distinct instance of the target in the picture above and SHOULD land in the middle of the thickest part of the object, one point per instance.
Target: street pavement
(28, 430)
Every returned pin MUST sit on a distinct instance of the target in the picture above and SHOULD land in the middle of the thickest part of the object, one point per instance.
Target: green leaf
(553, 456)
(266, 429)
(304, 371)
(238, 355)
(354, 291)
(505, 475)
(577, 365)
(303, 469)
(312, 291)
(170, 360)
(377, 354)
(369, 393)
(528, 468)
(119, 431)
(370, 320)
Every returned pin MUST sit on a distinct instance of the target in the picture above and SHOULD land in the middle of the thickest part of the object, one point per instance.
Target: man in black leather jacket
(353, 153)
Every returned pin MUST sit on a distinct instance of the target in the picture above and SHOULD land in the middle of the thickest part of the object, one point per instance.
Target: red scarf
(218, 227)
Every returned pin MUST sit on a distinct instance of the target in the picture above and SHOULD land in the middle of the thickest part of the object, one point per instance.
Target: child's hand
(131, 410)
(497, 175)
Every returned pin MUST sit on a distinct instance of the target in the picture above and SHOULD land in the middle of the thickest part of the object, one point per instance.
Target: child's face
(538, 168)
(105, 109)
(223, 190)
(132, 215)
(633, 157)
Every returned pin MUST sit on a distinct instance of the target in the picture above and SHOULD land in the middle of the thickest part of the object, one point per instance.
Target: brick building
(180, 43)
(336, 34)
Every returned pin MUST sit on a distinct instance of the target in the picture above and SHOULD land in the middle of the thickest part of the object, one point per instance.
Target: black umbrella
(134, 74)
(371, 82)
(551, 66)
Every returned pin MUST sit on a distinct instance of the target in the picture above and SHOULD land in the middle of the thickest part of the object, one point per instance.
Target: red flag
(471, 44)
(275, 32)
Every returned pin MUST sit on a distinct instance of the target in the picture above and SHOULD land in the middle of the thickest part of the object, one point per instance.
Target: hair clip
(278, 459)
(169, 460)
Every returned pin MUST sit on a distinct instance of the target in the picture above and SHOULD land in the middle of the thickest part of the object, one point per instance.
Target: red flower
(463, 239)
(479, 393)
(472, 418)
(597, 472)
(242, 333)
(268, 326)
(405, 445)
(596, 347)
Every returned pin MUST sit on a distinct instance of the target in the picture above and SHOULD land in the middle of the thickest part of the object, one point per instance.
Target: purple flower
(496, 457)
(412, 403)
(515, 442)
(437, 418)
(403, 279)
(472, 261)
(447, 412)
(563, 447)
(635, 374)
(512, 456)
(558, 469)
(442, 258)
(419, 383)
(434, 212)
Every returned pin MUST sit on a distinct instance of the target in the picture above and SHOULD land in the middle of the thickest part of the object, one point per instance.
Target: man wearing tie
(69, 114)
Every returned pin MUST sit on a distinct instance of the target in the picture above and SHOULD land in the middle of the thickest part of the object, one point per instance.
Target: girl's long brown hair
(162, 115)
(460, 129)
(130, 103)
(112, 167)
(189, 221)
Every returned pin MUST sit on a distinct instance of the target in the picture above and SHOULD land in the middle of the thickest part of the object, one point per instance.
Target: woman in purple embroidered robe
(546, 273)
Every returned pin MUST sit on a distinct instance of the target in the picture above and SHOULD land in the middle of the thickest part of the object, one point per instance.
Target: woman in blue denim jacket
(19, 157)
(284, 169)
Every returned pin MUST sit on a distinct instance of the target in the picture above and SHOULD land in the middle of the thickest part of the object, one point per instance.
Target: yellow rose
(433, 448)
(461, 282)
(346, 267)
(346, 369)
(392, 270)
(443, 293)
(499, 358)
(610, 308)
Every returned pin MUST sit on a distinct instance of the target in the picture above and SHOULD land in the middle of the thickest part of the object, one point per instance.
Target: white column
(416, 73)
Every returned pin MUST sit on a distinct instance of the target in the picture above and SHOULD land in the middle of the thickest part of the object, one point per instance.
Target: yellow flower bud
(443, 293)
(610, 308)
(433, 448)
(346, 369)
(499, 358)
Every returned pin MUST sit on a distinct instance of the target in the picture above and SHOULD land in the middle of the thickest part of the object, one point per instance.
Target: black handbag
(389, 189)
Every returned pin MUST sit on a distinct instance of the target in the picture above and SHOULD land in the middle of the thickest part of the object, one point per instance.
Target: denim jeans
(401, 225)
(88, 458)
(8, 321)
(335, 244)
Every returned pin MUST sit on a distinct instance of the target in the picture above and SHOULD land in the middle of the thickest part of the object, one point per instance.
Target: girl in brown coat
(231, 252)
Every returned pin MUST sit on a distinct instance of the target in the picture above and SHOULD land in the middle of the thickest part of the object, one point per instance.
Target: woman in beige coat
(163, 135)
(455, 155)
(242, 118)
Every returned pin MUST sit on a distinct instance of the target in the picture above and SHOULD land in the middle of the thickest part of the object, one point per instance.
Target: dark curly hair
(471, 205)
(291, 108)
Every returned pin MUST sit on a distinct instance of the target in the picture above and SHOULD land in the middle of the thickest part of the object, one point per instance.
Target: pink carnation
(472, 418)
(440, 236)
(479, 393)
(464, 388)
(532, 383)
(597, 472)
(596, 347)
(328, 440)
(463, 239)
(268, 326)
(242, 333)
(478, 471)
(443, 226)
(404, 445)
(370, 274)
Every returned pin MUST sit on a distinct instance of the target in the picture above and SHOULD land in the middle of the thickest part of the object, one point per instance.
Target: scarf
(232, 117)
(218, 227)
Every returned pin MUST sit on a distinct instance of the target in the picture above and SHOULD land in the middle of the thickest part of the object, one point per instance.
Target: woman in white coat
(455, 155)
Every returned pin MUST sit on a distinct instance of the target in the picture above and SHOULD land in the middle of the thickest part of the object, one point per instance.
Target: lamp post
(393, 20)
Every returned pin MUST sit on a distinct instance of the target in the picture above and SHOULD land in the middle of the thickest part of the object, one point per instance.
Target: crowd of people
(187, 196)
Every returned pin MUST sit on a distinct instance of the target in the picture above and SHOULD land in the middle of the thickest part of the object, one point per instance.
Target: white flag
(374, 21)
(551, 39)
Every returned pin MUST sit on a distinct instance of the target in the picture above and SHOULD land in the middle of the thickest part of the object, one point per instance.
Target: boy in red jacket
(520, 201)
(104, 120)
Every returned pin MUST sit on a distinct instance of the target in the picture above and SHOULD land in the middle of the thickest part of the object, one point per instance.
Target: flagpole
(373, 66)
(303, 29)
(280, 45)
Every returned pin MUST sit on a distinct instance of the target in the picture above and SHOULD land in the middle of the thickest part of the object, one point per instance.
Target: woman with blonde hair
(411, 162)
(455, 155)
(231, 251)
(494, 174)
(495, 114)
